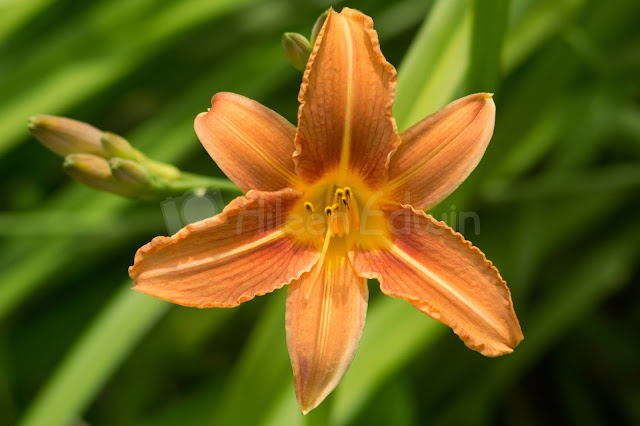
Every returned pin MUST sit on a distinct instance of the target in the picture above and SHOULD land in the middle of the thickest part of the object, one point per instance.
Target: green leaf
(98, 352)
(63, 88)
(537, 24)
(489, 24)
(435, 64)
(394, 333)
(16, 14)
(261, 371)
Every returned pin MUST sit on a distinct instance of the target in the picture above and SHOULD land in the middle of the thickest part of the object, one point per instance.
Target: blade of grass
(395, 332)
(535, 26)
(531, 148)
(8, 405)
(105, 343)
(620, 177)
(399, 16)
(285, 411)
(261, 370)
(83, 78)
(16, 13)
(489, 24)
(39, 224)
(435, 64)
(539, 221)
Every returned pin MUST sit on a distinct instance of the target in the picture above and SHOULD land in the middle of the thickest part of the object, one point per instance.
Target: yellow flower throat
(341, 216)
(332, 210)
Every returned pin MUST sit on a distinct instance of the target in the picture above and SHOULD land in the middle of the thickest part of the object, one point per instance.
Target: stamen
(323, 255)
(309, 207)
(338, 220)
(330, 221)
(346, 222)
(354, 211)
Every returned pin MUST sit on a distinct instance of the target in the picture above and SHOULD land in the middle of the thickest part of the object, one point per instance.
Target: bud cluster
(103, 160)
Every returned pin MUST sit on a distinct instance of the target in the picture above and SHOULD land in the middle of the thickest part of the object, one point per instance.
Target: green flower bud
(129, 173)
(117, 146)
(162, 170)
(65, 136)
(318, 26)
(92, 171)
(297, 49)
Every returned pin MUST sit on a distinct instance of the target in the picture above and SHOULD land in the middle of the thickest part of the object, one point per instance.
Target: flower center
(340, 217)
(335, 208)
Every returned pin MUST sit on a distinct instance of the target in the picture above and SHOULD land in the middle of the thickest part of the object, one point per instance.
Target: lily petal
(345, 121)
(326, 310)
(438, 153)
(250, 143)
(435, 269)
(227, 259)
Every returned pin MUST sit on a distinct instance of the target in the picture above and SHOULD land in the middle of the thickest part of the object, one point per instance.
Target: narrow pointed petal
(326, 310)
(438, 153)
(227, 259)
(250, 143)
(435, 269)
(344, 121)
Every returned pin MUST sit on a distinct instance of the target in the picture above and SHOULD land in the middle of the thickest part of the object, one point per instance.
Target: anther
(309, 207)
(331, 221)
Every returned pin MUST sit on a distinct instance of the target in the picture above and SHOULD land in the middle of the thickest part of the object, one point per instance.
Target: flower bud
(162, 170)
(318, 26)
(297, 49)
(91, 170)
(117, 146)
(65, 136)
(129, 173)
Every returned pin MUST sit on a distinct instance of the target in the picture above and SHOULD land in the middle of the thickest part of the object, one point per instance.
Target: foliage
(556, 193)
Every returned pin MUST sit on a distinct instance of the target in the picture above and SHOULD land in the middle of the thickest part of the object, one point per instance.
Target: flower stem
(191, 181)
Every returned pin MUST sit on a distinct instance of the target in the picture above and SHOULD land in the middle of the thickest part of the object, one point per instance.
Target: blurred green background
(557, 194)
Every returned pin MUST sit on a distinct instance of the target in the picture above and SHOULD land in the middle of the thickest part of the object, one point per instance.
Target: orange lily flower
(336, 201)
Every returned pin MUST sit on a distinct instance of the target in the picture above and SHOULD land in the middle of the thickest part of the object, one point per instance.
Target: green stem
(190, 181)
